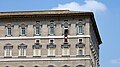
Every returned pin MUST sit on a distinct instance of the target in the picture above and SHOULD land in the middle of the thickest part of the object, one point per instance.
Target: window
(80, 29)
(51, 48)
(37, 49)
(6, 66)
(8, 50)
(65, 51)
(80, 66)
(36, 66)
(65, 66)
(80, 52)
(80, 47)
(21, 66)
(65, 27)
(37, 27)
(36, 52)
(9, 30)
(23, 30)
(22, 50)
(51, 29)
(37, 30)
(51, 66)
(80, 41)
(51, 52)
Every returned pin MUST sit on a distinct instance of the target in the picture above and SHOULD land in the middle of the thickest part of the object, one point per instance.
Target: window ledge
(80, 55)
(50, 56)
(36, 56)
(8, 57)
(66, 56)
(21, 56)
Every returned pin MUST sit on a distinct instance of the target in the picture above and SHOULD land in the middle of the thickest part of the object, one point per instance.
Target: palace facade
(51, 38)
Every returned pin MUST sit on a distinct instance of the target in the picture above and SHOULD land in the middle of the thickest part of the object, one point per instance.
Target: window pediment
(65, 45)
(80, 45)
(51, 45)
(37, 46)
(22, 46)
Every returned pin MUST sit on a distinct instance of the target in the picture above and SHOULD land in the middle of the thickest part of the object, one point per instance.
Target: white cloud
(116, 61)
(89, 5)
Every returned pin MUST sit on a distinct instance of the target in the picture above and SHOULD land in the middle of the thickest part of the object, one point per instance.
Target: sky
(107, 15)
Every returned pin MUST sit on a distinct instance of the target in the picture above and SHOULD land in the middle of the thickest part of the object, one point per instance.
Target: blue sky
(107, 15)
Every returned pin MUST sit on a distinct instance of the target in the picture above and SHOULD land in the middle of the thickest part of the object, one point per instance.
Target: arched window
(51, 66)
(21, 66)
(7, 66)
(80, 66)
(65, 66)
(36, 66)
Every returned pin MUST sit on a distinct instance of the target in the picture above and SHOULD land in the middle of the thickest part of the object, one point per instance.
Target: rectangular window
(65, 52)
(23, 31)
(51, 52)
(36, 52)
(8, 52)
(51, 31)
(37, 30)
(22, 52)
(9, 31)
(80, 51)
(80, 29)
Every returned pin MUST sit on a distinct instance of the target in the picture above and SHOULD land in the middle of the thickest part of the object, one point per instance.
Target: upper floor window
(80, 27)
(22, 50)
(8, 50)
(51, 48)
(23, 31)
(9, 28)
(51, 28)
(80, 47)
(37, 28)
(65, 27)
(37, 49)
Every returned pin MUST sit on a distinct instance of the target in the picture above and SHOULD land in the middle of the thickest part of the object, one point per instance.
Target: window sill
(50, 56)
(21, 56)
(79, 55)
(36, 56)
(66, 56)
(8, 57)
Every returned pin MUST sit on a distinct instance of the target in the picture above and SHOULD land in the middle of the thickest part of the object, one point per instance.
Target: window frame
(80, 29)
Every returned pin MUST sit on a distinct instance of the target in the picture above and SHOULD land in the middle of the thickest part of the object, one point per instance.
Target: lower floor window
(65, 51)
(80, 51)
(36, 52)
(51, 52)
